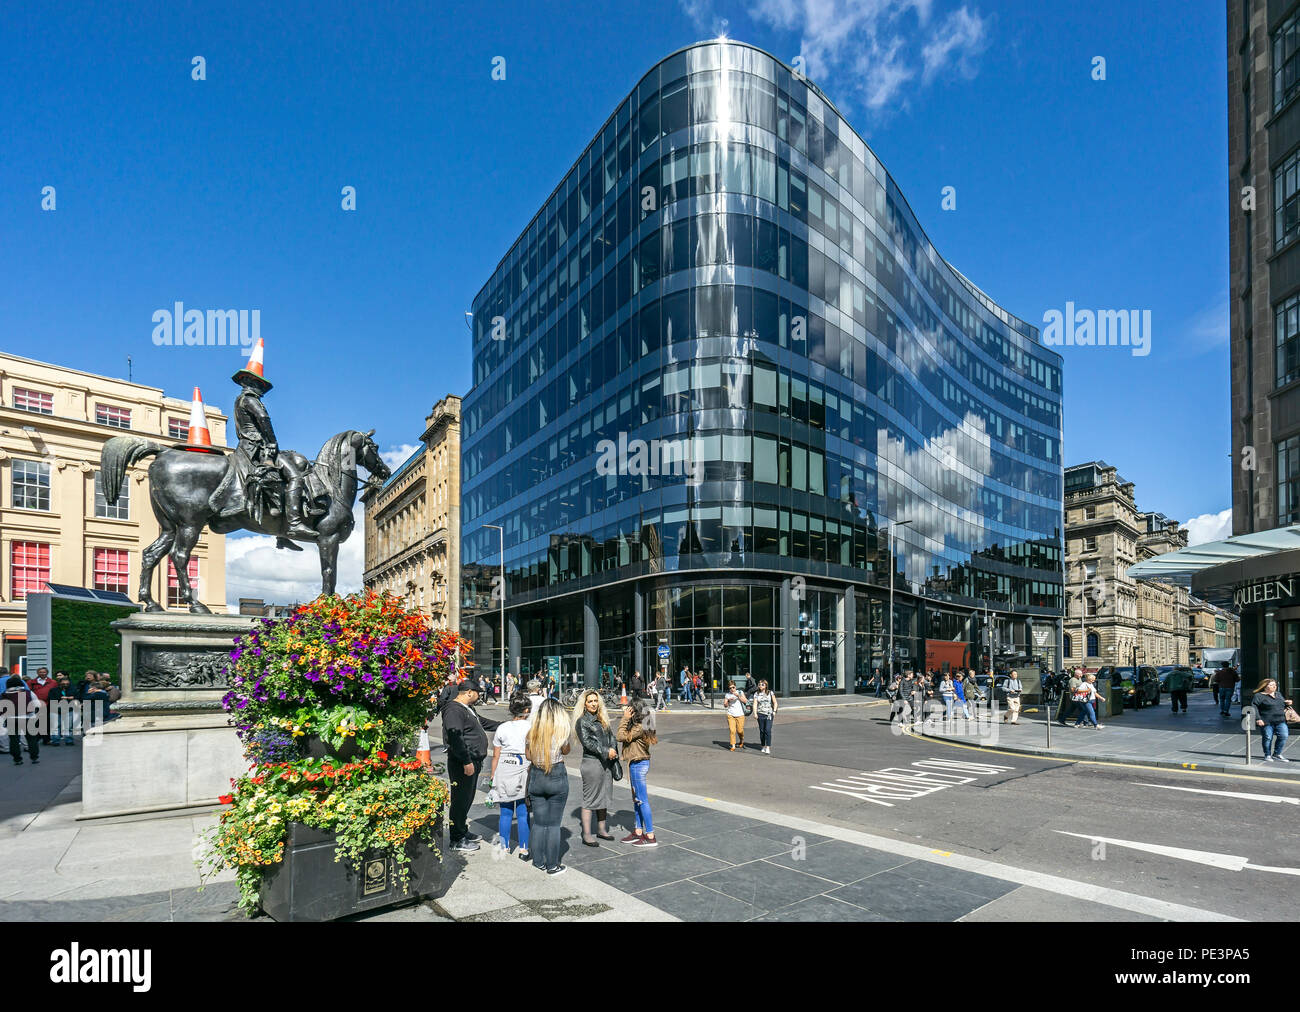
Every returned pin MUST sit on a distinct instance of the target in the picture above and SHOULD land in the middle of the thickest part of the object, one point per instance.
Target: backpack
(511, 780)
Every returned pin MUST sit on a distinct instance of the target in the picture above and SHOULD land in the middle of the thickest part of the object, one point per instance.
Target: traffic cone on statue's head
(252, 373)
(199, 439)
(422, 751)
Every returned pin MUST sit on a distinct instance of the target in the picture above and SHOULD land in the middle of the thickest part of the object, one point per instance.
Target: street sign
(664, 652)
(553, 667)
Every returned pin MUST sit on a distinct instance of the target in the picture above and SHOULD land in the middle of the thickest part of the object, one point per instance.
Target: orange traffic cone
(251, 374)
(422, 752)
(255, 359)
(199, 439)
(623, 697)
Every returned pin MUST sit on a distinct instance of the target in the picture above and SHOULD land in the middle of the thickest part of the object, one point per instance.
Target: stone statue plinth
(173, 747)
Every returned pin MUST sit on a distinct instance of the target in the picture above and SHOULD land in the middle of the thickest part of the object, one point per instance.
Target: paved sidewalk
(1199, 739)
(60, 868)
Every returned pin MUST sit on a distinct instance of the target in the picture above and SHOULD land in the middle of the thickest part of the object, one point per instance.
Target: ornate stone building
(1113, 617)
(1211, 628)
(55, 525)
(413, 523)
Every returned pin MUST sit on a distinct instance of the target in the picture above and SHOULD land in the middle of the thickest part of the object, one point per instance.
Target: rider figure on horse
(259, 446)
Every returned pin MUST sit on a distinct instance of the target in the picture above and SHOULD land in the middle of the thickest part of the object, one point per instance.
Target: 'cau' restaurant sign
(1262, 591)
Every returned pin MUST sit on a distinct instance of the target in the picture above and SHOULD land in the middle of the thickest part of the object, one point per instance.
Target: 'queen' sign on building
(1261, 591)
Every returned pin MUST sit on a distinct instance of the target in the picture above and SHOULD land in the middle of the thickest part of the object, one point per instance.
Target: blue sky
(225, 193)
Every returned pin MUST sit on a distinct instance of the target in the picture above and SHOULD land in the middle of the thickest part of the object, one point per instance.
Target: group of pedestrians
(691, 685)
(529, 780)
(48, 711)
(738, 704)
(1080, 701)
(957, 690)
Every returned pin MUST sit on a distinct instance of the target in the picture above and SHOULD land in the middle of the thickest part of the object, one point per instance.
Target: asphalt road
(1021, 814)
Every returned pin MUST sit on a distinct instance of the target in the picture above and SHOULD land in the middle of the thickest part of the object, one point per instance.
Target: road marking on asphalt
(1228, 862)
(896, 783)
(1275, 799)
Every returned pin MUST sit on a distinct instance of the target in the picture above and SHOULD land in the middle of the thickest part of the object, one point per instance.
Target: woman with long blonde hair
(591, 725)
(548, 786)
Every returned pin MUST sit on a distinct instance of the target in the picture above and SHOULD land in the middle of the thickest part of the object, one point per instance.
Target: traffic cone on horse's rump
(199, 439)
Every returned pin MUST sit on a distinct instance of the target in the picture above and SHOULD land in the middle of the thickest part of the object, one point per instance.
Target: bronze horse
(181, 484)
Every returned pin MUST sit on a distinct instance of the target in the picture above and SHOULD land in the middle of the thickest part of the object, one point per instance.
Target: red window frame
(111, 414)
(29, 568)
(36, 401)
(112, 569)
(173, 587)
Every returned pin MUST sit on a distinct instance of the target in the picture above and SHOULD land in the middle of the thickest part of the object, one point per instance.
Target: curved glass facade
(713, 369)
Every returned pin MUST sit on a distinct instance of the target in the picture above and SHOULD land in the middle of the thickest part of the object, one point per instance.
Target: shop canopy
(1211, 570)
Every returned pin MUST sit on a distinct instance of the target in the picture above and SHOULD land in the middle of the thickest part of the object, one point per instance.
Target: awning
(1242, 557)
(1185, 562)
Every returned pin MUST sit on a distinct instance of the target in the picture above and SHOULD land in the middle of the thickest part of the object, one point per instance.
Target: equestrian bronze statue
(258, 487)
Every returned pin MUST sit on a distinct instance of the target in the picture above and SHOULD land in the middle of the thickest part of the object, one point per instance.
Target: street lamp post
(1083, 611)
(892, 571)
(501, 531)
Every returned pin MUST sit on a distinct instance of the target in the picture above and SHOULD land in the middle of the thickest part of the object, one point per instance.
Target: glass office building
(710, 376)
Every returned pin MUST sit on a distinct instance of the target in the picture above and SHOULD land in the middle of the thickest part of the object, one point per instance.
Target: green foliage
(82, 637)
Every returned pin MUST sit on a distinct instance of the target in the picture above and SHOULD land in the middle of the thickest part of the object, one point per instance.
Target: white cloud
(256, 568)
(1209, 527)
(959, 40)
(704, 17)
(1209, 329)
(395, 456)
(868, 50)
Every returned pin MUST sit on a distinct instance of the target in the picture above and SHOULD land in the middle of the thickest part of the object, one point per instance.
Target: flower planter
(309, 885)
(348, 752)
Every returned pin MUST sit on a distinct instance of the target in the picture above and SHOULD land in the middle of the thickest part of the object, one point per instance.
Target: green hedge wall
(82, 638)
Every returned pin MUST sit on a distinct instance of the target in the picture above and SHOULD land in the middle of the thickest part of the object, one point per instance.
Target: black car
(1146, 691)
(999, 687)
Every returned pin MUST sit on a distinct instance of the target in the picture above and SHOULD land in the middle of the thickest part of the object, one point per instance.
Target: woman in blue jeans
(1270, 718)
(548, 783)
(637, 733)
(510, 772)
(765, 711)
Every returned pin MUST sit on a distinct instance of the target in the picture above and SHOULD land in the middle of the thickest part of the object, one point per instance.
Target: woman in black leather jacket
(591, 723)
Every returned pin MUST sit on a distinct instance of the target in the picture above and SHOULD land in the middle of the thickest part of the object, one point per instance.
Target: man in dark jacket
(1178, 681)
(638, 686)
(906, 690)
(465, 734)
(1225, 679)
